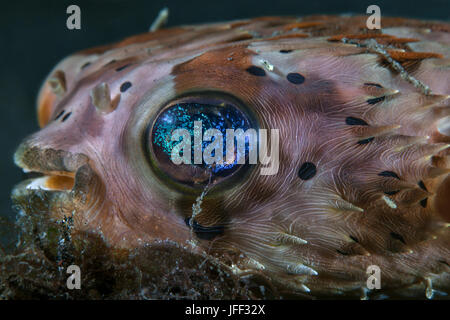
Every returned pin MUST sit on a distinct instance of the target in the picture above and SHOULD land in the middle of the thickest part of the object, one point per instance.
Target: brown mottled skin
(340, 213)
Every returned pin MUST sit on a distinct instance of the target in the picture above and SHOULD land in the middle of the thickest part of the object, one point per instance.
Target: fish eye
(199, 141)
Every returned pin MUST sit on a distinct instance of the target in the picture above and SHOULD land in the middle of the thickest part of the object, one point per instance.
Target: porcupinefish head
(359, 120)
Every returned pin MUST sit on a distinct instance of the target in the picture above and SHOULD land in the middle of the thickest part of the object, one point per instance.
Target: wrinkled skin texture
(380, 195)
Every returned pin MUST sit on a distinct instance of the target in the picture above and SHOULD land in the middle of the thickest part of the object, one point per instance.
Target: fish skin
(331, 242)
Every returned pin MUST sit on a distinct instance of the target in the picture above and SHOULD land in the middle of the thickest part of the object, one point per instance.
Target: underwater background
(34, 37)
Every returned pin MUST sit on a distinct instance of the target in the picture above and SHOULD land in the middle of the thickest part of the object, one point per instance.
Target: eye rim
(201, 97)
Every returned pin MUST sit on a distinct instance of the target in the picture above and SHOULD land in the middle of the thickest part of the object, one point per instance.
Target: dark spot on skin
(285, 51)
(422, 185)
(391, 193)
(205, 233)
(373, 84)
(354, 238)
(111, 62)
(351, 121)
(67, 116)
(444, 262)
(125, 86)
(366, 141)
(307, 171)
(342, 252)
(60, 114)
(389, 174)
(123, 67)
(256, 71)
(423, 203)
(375, 100)
(398, 237)
(295, 78)
(87, 64)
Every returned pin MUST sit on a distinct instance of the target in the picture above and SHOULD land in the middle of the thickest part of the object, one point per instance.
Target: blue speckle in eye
(183, 115)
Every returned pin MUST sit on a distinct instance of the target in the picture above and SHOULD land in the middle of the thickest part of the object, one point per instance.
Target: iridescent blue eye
(189, 141)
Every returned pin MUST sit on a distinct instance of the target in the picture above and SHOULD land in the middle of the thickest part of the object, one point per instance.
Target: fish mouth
(62, 182)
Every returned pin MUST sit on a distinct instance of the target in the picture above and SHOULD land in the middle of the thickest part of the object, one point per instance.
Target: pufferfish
(364, 158)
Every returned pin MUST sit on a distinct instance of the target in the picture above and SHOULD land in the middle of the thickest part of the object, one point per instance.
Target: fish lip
(49, 163)
(48, 160)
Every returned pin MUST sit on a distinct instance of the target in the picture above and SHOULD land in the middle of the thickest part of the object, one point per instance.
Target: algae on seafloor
(35, 268)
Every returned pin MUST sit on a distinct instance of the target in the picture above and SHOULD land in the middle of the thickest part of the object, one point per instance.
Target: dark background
(34, 37)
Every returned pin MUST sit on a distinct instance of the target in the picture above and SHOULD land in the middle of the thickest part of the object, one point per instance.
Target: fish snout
(63, 183)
